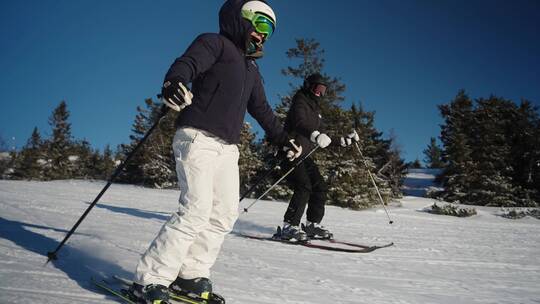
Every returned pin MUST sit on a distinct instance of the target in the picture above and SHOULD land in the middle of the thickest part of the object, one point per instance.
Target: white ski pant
(189, 242)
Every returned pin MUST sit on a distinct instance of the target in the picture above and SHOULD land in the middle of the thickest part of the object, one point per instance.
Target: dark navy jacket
(224, 81)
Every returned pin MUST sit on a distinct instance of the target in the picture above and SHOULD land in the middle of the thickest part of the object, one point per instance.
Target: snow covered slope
(436, 259)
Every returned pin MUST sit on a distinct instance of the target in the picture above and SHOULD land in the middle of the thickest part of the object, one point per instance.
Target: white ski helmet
(261, 16)
(259, 7)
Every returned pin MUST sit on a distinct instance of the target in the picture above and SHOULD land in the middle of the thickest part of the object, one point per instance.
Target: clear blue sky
(399, 58)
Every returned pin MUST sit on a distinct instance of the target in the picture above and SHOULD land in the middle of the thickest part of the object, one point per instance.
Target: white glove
(349, 139)
(321, 139)
(175, 95)
(292, 151)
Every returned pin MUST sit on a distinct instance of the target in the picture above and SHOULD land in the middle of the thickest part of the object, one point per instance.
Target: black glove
(292, 150)
(175, 95)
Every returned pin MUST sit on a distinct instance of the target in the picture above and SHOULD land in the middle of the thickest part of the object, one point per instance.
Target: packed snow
(436, 259)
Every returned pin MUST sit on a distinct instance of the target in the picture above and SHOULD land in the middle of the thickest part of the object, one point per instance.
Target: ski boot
(198, 289)
(290, 233)
(149, 294)
(317, 231)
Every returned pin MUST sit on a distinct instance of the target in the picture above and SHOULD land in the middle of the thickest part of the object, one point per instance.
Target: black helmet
(314, 82)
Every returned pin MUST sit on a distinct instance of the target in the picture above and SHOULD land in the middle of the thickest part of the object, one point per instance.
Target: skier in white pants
(225, 83)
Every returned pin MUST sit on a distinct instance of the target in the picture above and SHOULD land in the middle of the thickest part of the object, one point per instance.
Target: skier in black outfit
(225, 83)
(304, 122)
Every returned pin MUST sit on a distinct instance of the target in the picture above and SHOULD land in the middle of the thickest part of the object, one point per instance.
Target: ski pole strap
(281, 178)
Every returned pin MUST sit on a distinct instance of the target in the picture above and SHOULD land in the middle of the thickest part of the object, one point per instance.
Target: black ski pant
(309, 189)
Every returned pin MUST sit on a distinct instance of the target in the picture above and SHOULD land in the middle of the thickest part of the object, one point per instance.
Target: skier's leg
(195, 167)
(204, 251)
(301, 184)
(317, 199)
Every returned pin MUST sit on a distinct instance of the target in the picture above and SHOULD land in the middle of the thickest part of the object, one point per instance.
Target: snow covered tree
(133, 171)
(490, 182)
(3, 145)
(250, 162)
(5, 159)
(525, 150)
(29, 161)
(433, 155)
(394, 168)
(489, 150)
(60, 145)
(106, 164)
(83, 160)
(159, 167)
(153, 165)
(456, 139)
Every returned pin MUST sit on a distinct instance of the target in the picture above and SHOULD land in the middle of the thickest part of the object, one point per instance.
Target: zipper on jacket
(244, 82)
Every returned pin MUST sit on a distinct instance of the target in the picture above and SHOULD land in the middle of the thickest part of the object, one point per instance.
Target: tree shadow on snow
(78, 265)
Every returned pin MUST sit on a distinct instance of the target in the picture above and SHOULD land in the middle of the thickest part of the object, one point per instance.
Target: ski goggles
(262, 23)
(319, 89)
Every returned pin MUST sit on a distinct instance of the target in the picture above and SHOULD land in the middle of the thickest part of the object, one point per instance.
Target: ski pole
(374, 184)
(52, 255)
(259, 181)
(281, 178)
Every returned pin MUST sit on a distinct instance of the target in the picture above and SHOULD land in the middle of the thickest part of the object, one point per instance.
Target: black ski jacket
(303, 118)
(224, 81)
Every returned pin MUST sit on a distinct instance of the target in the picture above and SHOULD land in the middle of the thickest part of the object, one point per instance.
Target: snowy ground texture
(436, 259)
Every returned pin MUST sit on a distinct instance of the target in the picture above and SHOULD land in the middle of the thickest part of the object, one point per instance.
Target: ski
(358, 248)
(103, 285)
(176, 298)
(355, 244)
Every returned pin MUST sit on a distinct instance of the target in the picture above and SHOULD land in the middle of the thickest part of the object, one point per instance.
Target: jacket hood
(232, 25)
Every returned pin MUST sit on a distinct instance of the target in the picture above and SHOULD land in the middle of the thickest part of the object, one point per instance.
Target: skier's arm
(306, 124)
(259, 108)
(198, 58)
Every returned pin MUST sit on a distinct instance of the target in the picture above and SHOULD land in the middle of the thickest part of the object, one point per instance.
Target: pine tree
(83, 160)
(153, 165)
(159, 166)
(489, 152)
(395, 168)
(456, 134)
(106, 164)
(249, 163)
(29, 161)
(133, 171)
(60, 145)
(525, 151)
(5, 159)
(3, 145)
(491, 182)
(416, 164)
(433, 155)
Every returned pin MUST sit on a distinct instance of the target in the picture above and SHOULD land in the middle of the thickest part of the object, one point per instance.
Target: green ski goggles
(262, 23)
